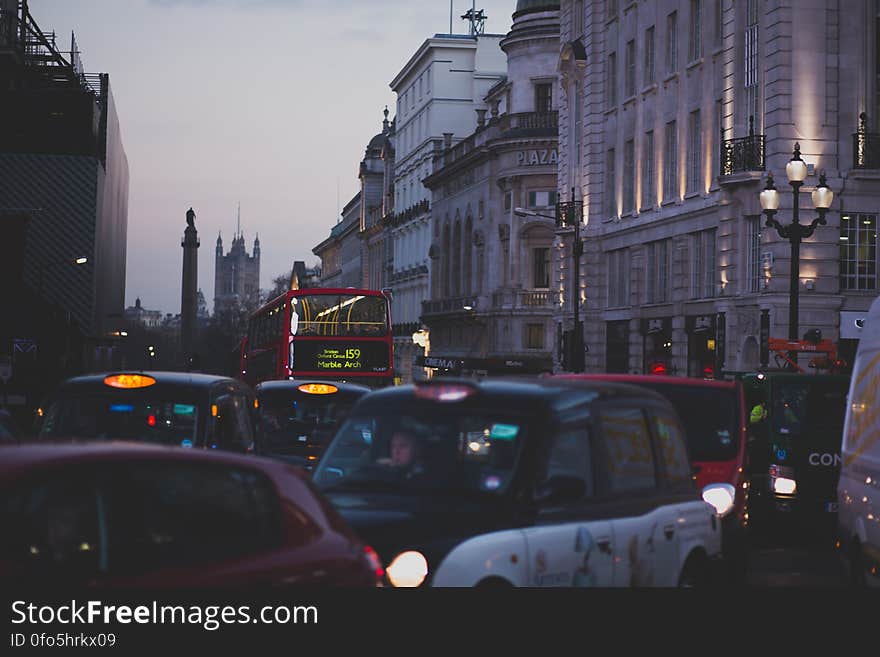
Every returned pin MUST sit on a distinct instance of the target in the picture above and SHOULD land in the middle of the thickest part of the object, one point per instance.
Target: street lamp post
(795, 232)
(568, 213)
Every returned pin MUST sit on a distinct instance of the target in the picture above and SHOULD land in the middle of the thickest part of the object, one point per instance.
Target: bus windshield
(339, 315)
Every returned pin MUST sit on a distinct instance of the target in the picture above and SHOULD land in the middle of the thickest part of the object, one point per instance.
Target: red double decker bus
(333, 334)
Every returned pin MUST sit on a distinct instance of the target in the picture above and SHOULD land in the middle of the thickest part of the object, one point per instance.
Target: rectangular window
(695, 152)
(611, 9)
(672, 42)
(751, 60)
(703, 264)
(534, 336)
(610, 185)
(695, 45)
(618, 278)
(648, 171)
(858, 251)
(544, 199)
(753, 253)
(630, 459)
(629, 175)
(719, 24)
(649, 56)
(657, 274)
(611, 90)
(577, 19)
(541, 268)
(543, 98)
(630, 76)
(670, 163)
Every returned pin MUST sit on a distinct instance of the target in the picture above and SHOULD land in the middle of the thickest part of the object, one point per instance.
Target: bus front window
(342, 315)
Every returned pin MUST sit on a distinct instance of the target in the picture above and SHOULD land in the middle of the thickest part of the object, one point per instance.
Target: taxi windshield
(167, 421)
(425, 452)
(284, 416)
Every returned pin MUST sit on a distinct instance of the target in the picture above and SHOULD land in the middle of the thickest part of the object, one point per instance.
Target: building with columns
(492, 217)
(672, 114)
(437, 90)
(340, 252)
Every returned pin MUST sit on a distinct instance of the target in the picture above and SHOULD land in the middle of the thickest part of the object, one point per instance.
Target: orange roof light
(129, 381)
(318, 388)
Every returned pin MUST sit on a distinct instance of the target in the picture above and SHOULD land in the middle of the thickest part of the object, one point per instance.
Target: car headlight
(784, 486)
(782, 481)
(407, 569)
(720, 496)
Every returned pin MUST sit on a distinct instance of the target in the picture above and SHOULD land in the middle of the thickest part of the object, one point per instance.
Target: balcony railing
(521, 299)
(866, 146)
(530, 121)
(450, 305)
(743, 154)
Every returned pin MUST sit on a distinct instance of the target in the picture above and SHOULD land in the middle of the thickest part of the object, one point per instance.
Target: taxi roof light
(129, 381)
(444, 392)
(318, 388)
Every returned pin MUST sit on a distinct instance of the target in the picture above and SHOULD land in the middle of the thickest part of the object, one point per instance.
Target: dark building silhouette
(63, 165)
(236, 274)
(189, 300)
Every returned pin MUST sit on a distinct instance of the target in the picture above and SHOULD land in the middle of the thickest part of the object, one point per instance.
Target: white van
(858, 490)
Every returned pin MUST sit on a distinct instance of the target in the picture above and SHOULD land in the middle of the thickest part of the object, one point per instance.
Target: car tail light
(375, 563)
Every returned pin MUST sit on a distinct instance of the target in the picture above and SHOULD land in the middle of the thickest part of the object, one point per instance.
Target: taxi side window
(52, 528)
(570, 456)
(671, 447)
(630, 460)
(229, 421)
(173, 515)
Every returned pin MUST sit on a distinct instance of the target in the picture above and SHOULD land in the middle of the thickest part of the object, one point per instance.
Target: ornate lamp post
(796, 171)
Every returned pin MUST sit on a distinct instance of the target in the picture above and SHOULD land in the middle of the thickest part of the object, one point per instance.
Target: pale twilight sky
(269, 103)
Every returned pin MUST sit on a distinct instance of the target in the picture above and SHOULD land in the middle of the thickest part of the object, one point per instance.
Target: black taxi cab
(295, 419)
(516, 483)
(169, 408)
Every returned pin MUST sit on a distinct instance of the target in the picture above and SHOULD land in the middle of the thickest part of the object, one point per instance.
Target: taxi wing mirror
(561, 488)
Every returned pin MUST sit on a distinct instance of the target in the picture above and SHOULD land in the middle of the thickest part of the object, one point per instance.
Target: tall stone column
(189, 292)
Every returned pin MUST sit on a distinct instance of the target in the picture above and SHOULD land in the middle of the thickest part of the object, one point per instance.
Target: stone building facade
(491, 305)
(672, 114)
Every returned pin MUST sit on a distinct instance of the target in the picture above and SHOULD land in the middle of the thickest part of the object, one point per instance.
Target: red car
(713, 413)
(141, 516)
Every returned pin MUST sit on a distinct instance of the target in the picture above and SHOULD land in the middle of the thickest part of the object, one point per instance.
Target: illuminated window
(751, 61)
(610, 185)
(543, 98)
(534, 336)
